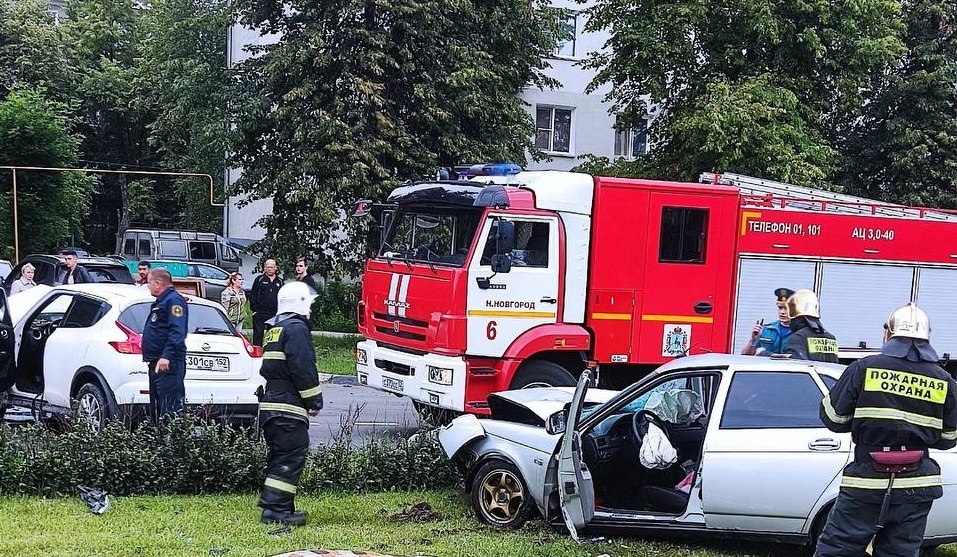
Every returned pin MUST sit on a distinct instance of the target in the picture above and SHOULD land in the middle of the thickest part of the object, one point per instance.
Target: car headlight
(440, 375)
(361, 358)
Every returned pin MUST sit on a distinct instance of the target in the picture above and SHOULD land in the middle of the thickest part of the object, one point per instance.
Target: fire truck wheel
(541, 373)
(432, 416)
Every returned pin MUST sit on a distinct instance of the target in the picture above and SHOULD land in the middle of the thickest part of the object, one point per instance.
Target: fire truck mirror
(385, 223)
(501, 263)
(504, 233)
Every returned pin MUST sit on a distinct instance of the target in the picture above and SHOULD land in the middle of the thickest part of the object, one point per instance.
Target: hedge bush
(181, 458)
(335, 307)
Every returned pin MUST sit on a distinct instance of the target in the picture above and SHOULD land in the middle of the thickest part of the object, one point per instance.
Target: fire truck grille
(403, 320)
(401, 334)
(394, 367)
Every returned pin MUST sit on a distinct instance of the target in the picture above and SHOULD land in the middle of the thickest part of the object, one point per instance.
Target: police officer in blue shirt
(773, 337)
(164, 345)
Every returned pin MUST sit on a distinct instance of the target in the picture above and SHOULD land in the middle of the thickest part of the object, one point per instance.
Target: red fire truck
(513, 279)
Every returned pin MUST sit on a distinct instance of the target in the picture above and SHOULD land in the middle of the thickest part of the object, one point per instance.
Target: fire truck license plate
(392, 384)
(207, 363)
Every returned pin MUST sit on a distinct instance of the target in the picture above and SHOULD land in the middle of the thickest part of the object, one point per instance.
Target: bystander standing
(262, 299)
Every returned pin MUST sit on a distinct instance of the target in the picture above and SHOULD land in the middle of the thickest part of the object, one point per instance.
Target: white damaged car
(712, 445)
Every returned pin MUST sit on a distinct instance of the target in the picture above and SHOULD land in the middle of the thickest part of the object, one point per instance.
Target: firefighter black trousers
(851, 526)
(287, 440)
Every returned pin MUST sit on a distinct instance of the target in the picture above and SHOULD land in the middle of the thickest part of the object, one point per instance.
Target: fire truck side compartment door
(851, 311)
(935, 295)
(757, 280)
(685, 306)
(611, 315)
(527, 296)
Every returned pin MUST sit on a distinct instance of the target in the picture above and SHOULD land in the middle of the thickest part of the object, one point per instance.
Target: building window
(683, 235)
(553, 129)
(632, 142)
(568, 22)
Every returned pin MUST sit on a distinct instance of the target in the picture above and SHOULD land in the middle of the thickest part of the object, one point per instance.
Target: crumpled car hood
(534, 406)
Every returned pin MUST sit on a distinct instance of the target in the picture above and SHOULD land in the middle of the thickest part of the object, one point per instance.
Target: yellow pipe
(13, 169)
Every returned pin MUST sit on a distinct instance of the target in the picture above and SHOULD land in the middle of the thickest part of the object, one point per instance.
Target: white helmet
(295, 297)
(908, 321)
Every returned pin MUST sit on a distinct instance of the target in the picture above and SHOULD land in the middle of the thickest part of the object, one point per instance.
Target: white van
(179, 245)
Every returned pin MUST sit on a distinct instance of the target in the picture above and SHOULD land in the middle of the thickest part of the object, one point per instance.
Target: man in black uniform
(809, 340)
(292, 394)
(896, 404)
(164, 345)
(262, 299)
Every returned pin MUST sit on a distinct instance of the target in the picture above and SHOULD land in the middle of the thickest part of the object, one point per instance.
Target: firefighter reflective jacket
(809, 341)
(893, 403)
(289, 366)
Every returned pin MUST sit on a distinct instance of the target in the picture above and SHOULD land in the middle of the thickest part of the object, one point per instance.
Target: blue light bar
(494, 169)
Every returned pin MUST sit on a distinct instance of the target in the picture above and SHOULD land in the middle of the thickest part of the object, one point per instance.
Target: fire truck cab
(512, 279)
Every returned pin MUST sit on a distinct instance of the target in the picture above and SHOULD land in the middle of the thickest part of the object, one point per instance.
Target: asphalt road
(362, 413)
(349, 409)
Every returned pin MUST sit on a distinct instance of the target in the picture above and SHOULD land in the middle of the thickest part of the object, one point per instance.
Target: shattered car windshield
(440, 237)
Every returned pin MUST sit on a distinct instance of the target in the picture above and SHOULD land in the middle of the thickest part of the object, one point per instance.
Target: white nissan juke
(76, 349)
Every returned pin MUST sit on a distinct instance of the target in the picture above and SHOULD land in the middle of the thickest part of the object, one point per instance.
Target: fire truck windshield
(431, 235)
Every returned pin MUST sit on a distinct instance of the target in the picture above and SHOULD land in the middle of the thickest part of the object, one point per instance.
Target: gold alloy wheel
(501, 497)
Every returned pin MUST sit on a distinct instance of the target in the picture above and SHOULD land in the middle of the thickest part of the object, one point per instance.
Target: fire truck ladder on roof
(768, 193)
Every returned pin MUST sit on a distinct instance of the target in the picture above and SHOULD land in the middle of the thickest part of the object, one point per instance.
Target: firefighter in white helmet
(292, 394)
(809, 340)
(897, 405)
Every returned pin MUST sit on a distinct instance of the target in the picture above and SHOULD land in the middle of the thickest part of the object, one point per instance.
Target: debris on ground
(97, 499)
(418, 512)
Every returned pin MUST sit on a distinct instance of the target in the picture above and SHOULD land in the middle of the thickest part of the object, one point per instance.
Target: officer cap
(804, 303)
(782, 294)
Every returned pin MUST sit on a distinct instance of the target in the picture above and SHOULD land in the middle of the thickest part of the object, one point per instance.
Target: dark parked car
(51, 270)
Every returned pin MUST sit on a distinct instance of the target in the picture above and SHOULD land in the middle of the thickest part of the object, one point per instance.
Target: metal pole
(16, 225)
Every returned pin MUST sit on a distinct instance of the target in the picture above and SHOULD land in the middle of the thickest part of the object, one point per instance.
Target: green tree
(51, 205)
(904, 149)
(184, 82)
(32, 53)
(102, 36)
(764, 86)
(359, 95)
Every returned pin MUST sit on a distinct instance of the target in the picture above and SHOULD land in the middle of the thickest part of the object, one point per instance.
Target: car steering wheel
(639, 425)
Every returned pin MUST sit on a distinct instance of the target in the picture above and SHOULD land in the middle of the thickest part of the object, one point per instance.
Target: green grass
(229, 526)
(336, 355)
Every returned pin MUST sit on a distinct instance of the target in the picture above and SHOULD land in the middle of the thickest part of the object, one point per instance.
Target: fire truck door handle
(703, 307)
(547, 300)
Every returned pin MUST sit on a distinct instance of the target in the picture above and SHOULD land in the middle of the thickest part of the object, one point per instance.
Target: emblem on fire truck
(676, 340)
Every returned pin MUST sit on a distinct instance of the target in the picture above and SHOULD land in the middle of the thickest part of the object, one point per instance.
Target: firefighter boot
(292, 518)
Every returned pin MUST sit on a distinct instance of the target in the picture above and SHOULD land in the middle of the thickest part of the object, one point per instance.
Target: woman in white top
(25, 281)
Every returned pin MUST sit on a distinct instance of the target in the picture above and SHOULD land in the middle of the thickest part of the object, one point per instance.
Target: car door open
(6, 344)
(575, 489)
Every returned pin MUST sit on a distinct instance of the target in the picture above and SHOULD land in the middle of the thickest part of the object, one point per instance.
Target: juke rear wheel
(499, 495)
